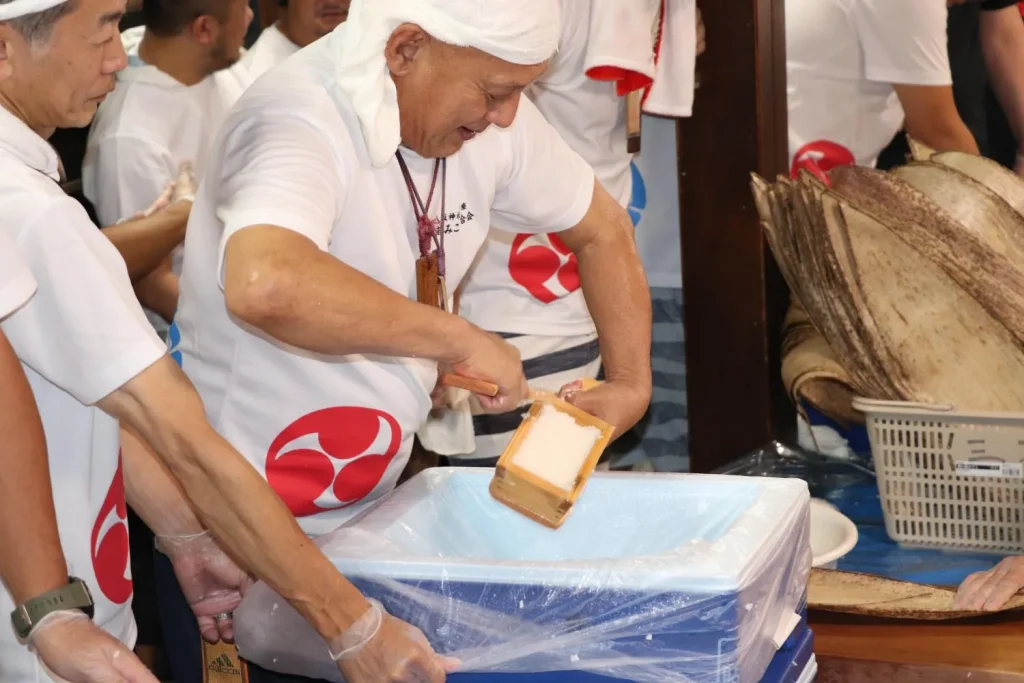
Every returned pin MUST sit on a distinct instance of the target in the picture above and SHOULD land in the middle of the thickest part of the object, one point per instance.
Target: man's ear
(5, 52)
(404, 46)
(205, 30)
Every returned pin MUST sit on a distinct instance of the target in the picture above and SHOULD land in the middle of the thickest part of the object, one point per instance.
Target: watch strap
(74, 596)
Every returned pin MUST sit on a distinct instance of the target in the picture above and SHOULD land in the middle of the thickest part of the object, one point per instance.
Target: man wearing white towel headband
(347, 196)
(92, 360)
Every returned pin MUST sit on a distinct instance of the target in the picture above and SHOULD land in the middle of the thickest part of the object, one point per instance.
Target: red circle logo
(109, 543)
(820, 157)
(533, 267)
(332, 458)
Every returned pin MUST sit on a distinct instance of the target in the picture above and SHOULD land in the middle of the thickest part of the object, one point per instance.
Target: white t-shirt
(79, 338)
(844, 56)
(142, 134)
(332, 433)
(269, 50)
(529, 283)
(16, 282)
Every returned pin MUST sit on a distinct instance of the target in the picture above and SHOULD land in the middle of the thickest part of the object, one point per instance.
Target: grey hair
(37, 28)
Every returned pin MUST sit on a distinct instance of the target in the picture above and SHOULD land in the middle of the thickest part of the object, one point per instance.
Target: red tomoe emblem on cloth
(820, 157)
(109, 543)
(332, 458)
(534, 266)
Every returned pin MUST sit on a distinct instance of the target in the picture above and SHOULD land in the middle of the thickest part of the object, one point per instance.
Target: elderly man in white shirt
(92, 360)
(302, 22)
(347, 196)
(165, 111)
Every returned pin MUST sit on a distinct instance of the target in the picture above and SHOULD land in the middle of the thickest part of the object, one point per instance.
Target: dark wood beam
(734, 296)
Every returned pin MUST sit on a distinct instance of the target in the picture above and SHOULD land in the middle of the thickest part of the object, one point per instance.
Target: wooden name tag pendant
(428, 281)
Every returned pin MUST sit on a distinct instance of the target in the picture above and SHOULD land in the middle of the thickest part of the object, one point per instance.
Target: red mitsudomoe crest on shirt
(820, 157)
(534, 266)
(332, 458)
(109, 543)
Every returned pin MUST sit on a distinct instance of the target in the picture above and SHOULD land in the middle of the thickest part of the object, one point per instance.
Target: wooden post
(734, 296)
(269, 10)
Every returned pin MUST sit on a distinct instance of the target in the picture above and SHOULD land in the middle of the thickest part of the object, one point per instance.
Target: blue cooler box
(654, 577)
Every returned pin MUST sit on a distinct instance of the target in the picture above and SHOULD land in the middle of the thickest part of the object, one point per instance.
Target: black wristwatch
(75, 595)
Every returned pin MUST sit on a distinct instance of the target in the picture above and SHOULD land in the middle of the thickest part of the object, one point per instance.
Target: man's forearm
(152, 492)
(954, 136)
(1002, 38)
(145, 242)
(158, 292)
(31, 559)
(232, 500)
(616, 291)
(281, 283)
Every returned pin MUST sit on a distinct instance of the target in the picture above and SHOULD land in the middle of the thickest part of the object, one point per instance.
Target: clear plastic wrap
(653, 578)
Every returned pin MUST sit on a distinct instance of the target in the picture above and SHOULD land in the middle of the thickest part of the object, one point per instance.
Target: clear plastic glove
(620, 404)
(212, 583)
(162, 202)
(493, 359)
(378, 648)
(185, 186)
(72, 648)
(989, 591)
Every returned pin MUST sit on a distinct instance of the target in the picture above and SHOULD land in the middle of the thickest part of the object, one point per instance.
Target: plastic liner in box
(653, 578)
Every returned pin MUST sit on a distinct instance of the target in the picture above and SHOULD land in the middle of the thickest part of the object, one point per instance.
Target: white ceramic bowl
(833, 535)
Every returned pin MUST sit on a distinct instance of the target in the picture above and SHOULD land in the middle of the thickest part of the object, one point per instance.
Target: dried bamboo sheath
(914, 280)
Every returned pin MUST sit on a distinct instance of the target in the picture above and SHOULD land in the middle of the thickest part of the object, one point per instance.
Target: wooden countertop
(856, 650)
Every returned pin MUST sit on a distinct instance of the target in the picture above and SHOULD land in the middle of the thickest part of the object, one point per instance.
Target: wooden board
(858, 650)
(734, 297)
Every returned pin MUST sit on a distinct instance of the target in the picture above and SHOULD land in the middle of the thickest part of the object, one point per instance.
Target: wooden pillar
(734, 296)
(268, 12)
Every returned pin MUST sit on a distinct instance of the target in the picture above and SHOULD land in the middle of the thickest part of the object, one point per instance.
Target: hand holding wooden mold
(549, 460)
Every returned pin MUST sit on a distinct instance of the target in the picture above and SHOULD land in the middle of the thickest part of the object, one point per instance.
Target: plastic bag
(653, 578)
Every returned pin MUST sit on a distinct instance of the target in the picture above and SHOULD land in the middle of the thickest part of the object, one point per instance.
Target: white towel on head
(516, 31)
(673, 91)
(23, 8)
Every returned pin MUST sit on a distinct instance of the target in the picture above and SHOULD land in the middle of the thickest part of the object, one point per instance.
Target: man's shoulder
(26, 196)
(293, 91)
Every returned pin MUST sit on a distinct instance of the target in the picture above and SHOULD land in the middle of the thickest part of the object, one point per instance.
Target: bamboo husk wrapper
(908, 286)
(874, 596)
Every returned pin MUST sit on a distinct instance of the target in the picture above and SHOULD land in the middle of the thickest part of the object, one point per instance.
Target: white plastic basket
(948, 480)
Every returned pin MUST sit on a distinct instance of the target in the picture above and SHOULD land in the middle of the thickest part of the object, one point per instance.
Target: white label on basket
(990, 470)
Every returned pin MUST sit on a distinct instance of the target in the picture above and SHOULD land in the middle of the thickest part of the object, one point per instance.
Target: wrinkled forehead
(487, 69)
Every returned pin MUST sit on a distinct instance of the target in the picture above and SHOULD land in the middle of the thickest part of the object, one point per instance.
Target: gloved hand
(378, 648)
(72, 648)
(989, 591)
(212, 583)
(185, 186)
